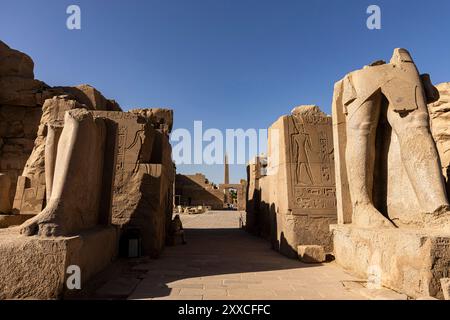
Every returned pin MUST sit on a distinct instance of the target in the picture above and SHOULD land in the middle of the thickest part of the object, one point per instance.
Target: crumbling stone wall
(21, 98)
(23, 122)
(18, 127)
(196, 190)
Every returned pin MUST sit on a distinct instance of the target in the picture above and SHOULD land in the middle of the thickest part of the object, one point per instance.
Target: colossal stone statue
(75, 182)
(397, 90)
(54, 130)
(393, 210)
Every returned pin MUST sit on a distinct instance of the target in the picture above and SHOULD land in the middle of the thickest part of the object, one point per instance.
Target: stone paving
(221, 261)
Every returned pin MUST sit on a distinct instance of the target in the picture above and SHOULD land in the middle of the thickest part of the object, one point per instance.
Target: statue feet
(367, 216)
(46, 224)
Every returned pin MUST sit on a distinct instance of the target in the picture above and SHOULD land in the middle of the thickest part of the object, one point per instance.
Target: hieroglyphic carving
(315, 197)
(133, 144)
(30, 195)
(312, 162)
(301, 147)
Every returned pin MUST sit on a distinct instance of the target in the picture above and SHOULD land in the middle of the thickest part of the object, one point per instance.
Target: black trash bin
(131, 243)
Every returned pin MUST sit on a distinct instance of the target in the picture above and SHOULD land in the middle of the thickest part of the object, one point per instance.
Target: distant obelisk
(226, 179)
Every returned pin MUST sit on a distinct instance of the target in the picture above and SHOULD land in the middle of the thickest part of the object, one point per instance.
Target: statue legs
(76, 183)
(362, 121)
(420, 158)
(51, 147)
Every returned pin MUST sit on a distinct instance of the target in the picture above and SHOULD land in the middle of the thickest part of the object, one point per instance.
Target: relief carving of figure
(302, 146)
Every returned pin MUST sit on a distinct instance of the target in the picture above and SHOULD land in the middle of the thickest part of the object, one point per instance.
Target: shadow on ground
(222, 255)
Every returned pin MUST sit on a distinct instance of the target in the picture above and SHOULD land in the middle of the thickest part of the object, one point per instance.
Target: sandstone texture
(8, 220)
(406, 260)
(293, 202)
(393, 210)
(387, 169)
(197, 190)
(256, 168)
(311, 254)
(21, 98)
(445, 285)
(160, 118)
(35, 267)
(439, 123)
(24, 114)
(143, 164)
(5, 186)
(77, 174)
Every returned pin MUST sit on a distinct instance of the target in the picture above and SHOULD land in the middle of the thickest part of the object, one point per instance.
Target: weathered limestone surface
(80, 173)
(241, 192)
(160, 118)
(392, 204)
(30, 197)
(440, 129)
(143, 164)
(17, 84)
(30, 192)
(76, 183)
(297, 196)
(5, 186)
(387, 161)
(23, 124)
(90, 97)
(109, 167)
(34, 257)
(7, 220)
(35, 267)
(20, 101)
(311, 254)
(253, 193)
(197, 190)
(406, 260)
(445, 284)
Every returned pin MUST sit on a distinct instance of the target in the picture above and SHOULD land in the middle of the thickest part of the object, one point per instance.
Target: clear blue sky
(230, 63)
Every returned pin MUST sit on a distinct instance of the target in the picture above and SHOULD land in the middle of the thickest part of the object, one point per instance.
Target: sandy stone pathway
(221, 261)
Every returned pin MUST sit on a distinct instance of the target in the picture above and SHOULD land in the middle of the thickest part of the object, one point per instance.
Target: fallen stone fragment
(311, 254)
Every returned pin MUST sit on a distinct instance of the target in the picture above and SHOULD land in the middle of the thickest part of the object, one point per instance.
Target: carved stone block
(297, 196)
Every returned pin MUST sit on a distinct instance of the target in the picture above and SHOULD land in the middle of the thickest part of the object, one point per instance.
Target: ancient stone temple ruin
(83, 182)
(78, 175)
(197, 190)
(291, 194)
(393, 210)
